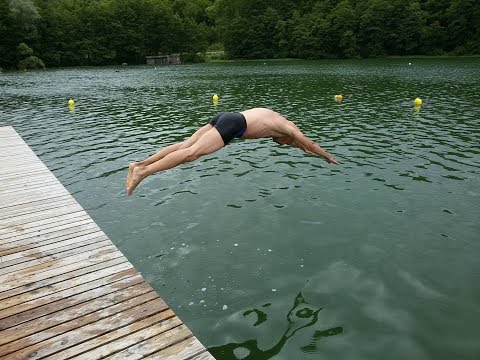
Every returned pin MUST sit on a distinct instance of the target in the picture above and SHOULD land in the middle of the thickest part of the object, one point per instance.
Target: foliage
(348, 28)
(29, 61)
(103, 32)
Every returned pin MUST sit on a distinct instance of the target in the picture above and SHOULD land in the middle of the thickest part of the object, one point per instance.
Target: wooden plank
(56, 267)
(12, 251)
(70, 287)
(13, 159)
(10, 152)
(27, 194)
(87, 327)
(19, 166)
(30, 290)
(38, 167)
(16, 157)
(35, 258)
(5, 135)
(8, 135)
(83, 232)
(87, 332)
(7, 130)
(16, 150)
(36, 206)
(26, 208)
(154, 344)
(31, 171)
(34, 218)
(46, 316)
(36, 227)
(8, 142)
(185, 350)
(14, 146)
(18, 178)
(15, 316)
(37, 180)
(10, 146)
(34, 184)
(121, 339)
(20, 169)
(32, 198)
(6, 182)
(49, 233)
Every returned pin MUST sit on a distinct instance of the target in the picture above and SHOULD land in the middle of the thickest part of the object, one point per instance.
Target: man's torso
(264, 123)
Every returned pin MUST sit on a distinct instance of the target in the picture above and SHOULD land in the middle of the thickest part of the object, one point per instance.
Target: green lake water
(266, 252)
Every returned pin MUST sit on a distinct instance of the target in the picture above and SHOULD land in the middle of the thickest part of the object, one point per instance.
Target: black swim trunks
(230, 125)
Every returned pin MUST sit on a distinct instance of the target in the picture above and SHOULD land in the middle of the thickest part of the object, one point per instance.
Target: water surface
(266, 252)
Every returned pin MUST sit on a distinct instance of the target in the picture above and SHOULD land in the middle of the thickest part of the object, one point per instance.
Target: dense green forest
(38, 33)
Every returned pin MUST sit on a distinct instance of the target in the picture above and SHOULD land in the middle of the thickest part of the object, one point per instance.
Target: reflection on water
(300, 316)
(387, 242)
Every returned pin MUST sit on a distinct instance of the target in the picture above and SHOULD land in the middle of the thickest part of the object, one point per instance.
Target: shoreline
(240, 60)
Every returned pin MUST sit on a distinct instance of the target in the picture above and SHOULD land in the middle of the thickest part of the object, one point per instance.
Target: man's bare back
(249, 124)
(264, 123)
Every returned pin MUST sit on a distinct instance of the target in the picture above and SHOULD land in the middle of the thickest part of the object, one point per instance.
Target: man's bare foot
(138, 174)
(131, 166)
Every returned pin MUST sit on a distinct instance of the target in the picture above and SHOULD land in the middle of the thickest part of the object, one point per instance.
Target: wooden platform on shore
(65, 290)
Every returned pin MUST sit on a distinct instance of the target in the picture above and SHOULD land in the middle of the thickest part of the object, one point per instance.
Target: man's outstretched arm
(310, 147)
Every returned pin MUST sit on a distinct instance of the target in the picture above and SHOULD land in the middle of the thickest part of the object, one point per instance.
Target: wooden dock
(65, 290)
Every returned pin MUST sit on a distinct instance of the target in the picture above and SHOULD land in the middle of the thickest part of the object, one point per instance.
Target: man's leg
(208, 143)
(167, 150)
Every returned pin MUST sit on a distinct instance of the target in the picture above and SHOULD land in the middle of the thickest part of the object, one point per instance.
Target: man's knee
(192, 154)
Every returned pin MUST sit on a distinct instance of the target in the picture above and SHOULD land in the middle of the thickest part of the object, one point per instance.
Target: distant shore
(392, 57)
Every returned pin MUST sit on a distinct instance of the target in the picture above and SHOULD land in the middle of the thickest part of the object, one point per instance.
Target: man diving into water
(249, 124)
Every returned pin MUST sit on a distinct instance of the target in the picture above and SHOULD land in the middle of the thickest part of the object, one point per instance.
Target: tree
(17, 25)
(29, 61)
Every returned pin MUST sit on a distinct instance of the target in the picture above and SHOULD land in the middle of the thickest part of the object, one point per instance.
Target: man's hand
(331, 160)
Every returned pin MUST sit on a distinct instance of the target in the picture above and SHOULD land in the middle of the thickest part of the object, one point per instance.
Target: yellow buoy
(71, 103)
(215, 98)
(417, 102)
(338, 98)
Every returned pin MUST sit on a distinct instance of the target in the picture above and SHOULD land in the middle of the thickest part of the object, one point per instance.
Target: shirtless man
(249, 124)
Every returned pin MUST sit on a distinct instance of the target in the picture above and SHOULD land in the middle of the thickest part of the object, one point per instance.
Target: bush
(215, 55)
(193, 58)
(24, 50)
(31, 62)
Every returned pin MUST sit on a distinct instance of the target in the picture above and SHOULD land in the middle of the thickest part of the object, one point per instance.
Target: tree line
(38, 33)
(348, 28)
